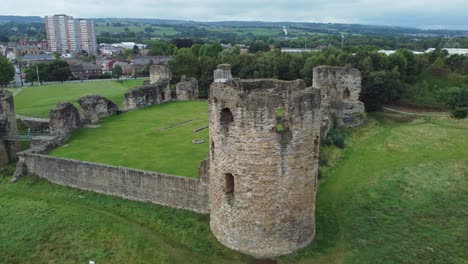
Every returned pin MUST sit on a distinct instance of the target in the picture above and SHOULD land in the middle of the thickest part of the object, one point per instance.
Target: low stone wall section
(173, 191)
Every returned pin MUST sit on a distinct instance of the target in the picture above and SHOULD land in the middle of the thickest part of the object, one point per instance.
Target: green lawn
(37, 101)
(396, 194)
(142, 139)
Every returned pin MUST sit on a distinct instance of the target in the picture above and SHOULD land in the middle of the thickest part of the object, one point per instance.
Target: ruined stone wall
(159, 73)
(96, 107)
(264, 147)
(158, 91)
(187, 89)
(222, 73)
(63, 119)
(8, 149)
(340, 88)
(148, 95)
(133, 184)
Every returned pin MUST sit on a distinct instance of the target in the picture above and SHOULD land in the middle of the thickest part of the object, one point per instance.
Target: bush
(460, 113)
(105, 76)
(335, 137)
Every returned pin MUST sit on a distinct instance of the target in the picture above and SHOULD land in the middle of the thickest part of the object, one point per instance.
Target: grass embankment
(397, 194)
(157, 138)
(429, 89)
(37, 101)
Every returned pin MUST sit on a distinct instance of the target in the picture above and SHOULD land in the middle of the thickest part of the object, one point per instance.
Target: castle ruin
(340, 88)
(64, 118)
(8, 149)
(96, 107)
(260, 181)
(187, 89)
(264, 147)
(156, 92)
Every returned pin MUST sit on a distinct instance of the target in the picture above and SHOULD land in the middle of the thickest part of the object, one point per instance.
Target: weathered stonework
(64, 119)
(174, 191)
(340, 88)
(223, 73)
(264, 147)
(8, 149)
(157, 92)
(96, 107)
(159, 73)
(187, 89)
(144, 96)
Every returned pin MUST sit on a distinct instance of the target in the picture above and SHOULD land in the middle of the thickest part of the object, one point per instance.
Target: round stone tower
(264, 146)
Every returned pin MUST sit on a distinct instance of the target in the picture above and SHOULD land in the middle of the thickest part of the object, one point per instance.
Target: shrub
(335, 137)
(460, 113)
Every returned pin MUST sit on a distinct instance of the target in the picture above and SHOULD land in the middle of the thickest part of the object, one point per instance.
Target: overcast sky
(433, 14)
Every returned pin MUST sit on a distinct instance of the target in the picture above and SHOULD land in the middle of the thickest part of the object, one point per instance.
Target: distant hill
(303, 26)
(21, 19)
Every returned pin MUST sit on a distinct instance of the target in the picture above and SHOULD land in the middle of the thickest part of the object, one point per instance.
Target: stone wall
(159, 73)
(187, 89)
(173, 191)
(340, 88)
(37, 125)
(96, 107)
(8, 149)
(148, 95)
(63, 119)
(264, 147)
(158, 91)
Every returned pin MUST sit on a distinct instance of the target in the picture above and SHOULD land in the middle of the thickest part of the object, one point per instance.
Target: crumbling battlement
(64, 118)
(96, 107)
(222, 73)
(264, 145)
(340, 88)
(187, 89)
(8, 149)
(159, 73)
(156, 92)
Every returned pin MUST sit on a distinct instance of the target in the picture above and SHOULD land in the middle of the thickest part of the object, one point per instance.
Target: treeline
(424, 80)
(14, 31)
(55, 71)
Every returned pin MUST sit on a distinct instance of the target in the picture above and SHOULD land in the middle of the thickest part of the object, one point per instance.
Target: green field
(396, 194)
(158, 31)
(154, 138)
(37, 101)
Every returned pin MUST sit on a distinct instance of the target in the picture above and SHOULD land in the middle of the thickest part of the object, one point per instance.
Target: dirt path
(418, 112)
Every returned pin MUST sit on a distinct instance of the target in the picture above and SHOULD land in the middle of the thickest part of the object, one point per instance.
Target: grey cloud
(414, 13)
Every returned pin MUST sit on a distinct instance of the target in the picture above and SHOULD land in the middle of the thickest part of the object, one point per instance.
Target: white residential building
(68, 35)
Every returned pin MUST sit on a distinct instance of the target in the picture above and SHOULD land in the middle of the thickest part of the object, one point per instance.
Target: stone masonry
(223, 73)
(340, 96)
(8, 149)
(96, 107)
(64, 119)
(158, 91)
(187, 89)
(264, 147)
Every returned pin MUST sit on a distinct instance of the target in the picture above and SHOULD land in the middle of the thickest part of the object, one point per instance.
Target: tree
(31, 72)
(258, 45)
(135, 50)
(59, 70)
(7, 71)
(184, 63)
(117, 71)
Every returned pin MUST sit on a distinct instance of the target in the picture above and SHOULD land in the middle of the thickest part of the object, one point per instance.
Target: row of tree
(386, 79)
